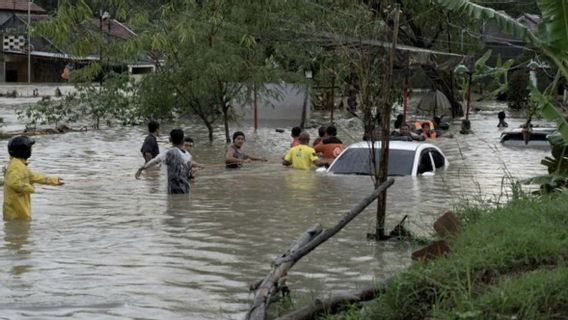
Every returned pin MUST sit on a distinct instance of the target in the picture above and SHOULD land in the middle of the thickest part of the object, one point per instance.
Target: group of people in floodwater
(420, 131)
(19, 180)
(182, 168)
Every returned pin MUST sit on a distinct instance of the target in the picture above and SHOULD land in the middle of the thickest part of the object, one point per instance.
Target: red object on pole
(255, 115)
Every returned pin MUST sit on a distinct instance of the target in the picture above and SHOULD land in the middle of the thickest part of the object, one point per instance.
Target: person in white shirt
(178, 161)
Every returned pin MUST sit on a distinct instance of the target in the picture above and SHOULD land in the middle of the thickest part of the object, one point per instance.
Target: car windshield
(517, 138)
(358, 161)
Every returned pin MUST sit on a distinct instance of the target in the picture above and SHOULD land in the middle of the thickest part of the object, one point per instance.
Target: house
(503, 44)
(38, 59)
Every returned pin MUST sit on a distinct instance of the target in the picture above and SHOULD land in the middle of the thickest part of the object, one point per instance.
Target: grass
(509, 263)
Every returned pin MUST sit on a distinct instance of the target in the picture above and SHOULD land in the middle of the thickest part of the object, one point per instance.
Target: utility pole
(385, 131)
(29, 43)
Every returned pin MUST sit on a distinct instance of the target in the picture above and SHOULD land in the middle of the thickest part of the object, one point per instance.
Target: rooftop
(21, 6)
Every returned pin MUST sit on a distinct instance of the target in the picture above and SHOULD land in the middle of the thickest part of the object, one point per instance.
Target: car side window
(425, 164)
(438, 159)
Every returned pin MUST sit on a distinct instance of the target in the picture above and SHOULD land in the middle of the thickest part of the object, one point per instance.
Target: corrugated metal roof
(20, 5)
(55, 55)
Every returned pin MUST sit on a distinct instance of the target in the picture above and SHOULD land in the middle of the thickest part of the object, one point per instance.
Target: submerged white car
(405, 158)
(536, 136)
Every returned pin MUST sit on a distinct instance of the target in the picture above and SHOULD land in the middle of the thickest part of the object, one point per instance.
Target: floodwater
(107, 246)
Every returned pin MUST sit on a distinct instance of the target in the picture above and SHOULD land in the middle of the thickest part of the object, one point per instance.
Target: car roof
(534, 130)
(393, 145)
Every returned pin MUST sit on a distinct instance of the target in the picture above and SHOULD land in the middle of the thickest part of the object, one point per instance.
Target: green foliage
(518, 92)
(156, 98)
(482, 71)
(113, 103)
(557, 167)
(49, 112)
(509, 262)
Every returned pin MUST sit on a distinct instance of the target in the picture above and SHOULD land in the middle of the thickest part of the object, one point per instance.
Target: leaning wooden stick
(283, 263)
(334, 303)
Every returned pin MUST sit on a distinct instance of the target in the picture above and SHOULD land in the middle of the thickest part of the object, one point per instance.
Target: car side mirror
(321, 169)
(428, 174)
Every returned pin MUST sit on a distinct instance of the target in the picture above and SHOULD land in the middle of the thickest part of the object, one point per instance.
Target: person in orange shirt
(331, 146)
(427, 132)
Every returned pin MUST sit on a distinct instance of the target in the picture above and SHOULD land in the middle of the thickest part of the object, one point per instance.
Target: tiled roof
(116, 29)
(20, 6)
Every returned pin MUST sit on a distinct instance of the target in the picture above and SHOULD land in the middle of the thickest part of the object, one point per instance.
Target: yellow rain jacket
(18, 185)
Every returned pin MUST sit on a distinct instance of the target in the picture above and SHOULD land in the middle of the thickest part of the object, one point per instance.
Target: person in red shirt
(321, 134)
(331, 146)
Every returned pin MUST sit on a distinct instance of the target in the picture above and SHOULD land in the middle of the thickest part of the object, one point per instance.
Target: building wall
(16, 68)
(277, 102)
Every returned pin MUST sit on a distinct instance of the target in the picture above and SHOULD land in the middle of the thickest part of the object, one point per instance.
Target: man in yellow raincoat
(19, 180)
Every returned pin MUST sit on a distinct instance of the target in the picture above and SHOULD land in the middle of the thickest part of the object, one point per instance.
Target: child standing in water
(178, 161)
(19, 180)
(195, 166)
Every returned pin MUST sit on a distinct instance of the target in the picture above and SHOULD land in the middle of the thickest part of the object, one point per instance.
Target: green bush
(507, 263)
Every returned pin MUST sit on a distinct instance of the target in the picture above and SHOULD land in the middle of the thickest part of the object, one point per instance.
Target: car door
(438, 159)
(425, 162)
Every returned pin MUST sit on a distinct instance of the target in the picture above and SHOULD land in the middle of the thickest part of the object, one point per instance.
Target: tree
(429, 29)
(551, 38)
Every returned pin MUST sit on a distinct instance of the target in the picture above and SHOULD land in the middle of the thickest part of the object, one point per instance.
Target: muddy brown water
(107, 246)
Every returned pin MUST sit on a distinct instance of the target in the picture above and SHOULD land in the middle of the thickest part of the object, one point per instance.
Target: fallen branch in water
(334, 303)
(272, 282)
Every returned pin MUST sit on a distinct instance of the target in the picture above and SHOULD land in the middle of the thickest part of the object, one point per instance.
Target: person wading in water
(150, 147)
(19, 180)
(178, 161)
(235, 157)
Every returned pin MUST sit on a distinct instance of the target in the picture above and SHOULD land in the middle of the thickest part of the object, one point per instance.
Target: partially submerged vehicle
(534, 136)
(405, 158)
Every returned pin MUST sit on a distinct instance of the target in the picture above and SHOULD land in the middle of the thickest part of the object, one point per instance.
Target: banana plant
(557, 167)
(551, 38)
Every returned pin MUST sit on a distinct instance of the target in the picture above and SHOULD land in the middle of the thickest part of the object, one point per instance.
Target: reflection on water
(109, 246)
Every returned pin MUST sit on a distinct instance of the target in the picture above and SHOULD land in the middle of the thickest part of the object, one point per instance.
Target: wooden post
(332, 96)
(255, 114)
(405, 97)
(469, 74)
(385, 126)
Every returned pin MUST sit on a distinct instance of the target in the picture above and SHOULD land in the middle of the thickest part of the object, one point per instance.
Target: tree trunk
(210, 129)
(226, 123)
(334, 303)
(385, 133)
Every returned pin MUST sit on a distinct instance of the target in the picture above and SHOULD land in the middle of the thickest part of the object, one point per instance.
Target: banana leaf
(554, 24)
(550, 112)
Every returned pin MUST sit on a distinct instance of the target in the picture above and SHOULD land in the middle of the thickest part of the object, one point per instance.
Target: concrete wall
(25, 90)
(278, 102)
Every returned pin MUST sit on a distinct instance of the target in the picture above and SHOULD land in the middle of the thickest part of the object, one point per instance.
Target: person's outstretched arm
(154, 162)
(253, 158)
(41, 179)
